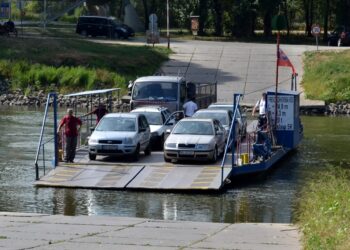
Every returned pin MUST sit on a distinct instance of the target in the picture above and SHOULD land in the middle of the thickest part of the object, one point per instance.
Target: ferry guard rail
(46, 152)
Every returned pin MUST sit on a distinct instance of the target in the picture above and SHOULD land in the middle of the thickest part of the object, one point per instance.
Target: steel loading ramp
(180, 177)
(150, 173)
(90, 176)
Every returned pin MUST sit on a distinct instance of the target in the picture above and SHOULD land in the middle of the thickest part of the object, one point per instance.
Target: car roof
(197, 119)
(149, 109)
(102, 17)
(213, 111)
(159, 79)
(126, 115)
(221, 104)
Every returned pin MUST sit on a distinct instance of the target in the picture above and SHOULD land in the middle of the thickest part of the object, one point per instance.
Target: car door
(144, 132)
(220, 135)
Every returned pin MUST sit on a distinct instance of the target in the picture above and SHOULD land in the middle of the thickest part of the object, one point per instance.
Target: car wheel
(92, 157)
(167, 159)
(136, 155)
(161, 142)
(84, 33)
(148, 149)
(215, 155)
(339, 42)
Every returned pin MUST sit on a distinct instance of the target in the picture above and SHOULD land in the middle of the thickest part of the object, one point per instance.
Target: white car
(120, 134)
(195, 139)
(160, 120)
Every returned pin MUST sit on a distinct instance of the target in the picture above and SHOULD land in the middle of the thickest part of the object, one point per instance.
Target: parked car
(101, 26)
(241, 117)
(195, 139)
(120, 134)
(224, 116)
(158, 119)
(339, 37)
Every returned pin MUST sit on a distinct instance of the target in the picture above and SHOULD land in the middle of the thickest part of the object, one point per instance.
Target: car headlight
(93, 141)
(202, 146)
(170, 145)
(128, 140)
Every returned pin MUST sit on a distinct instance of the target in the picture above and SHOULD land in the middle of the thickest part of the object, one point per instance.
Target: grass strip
(327, 75)
(71, 64)
(323, 210)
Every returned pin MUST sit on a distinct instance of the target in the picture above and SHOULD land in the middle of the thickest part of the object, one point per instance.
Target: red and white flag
(284, 61)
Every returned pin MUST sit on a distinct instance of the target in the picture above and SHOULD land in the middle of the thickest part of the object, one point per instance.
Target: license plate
(109, 147)
(187, 152)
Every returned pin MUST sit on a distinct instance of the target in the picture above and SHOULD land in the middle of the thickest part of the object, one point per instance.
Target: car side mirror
(167, 132)
(92, 129)
(170, 122)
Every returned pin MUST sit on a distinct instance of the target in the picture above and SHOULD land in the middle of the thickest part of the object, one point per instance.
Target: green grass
(323, 212)
(71, 64)
(327, 75)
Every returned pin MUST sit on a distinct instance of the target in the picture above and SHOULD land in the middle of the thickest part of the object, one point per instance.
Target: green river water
(269, 198)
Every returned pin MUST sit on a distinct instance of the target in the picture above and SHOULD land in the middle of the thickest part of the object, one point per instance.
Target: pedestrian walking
(72, 126)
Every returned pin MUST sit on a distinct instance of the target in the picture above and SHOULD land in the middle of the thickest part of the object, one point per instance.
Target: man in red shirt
(71, 130)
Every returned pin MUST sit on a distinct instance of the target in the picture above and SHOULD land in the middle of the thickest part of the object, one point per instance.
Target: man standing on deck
(99, 111)
(261, 104)
(71, 131)
(190, 107)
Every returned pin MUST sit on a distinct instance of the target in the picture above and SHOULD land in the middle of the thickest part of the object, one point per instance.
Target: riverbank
(323, 210)
(39, 98)
(42, 231)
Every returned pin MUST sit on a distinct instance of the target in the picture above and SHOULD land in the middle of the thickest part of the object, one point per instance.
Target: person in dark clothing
(99, 111)
(72, 126)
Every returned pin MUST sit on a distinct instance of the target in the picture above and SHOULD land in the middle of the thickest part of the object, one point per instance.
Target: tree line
(237, 18)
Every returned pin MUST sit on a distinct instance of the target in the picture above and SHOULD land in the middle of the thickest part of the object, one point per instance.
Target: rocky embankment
(18, 98)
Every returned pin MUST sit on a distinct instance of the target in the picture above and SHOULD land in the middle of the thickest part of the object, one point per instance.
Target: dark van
(100, 26)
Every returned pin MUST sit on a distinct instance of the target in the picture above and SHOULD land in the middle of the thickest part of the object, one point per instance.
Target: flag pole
(276, 90)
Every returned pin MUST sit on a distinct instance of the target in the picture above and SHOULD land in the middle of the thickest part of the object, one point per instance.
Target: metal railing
(41, 144)
(231, 137)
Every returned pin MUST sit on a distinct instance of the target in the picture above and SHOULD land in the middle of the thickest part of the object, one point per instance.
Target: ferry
(259, 151)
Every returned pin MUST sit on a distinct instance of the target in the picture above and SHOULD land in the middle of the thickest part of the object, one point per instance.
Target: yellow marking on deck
(69, 171)
(59, 174)
(57, 179)
(200, 182)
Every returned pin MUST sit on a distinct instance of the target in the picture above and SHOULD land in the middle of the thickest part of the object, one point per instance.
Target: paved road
(35, 231)
(247, 68)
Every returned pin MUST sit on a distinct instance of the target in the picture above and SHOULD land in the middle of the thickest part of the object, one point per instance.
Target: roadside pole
(315, 31)
(167, 23)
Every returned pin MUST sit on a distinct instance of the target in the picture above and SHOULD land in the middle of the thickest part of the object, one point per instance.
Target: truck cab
(170, 92)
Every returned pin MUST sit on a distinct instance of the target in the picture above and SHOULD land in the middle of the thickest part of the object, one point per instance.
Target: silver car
(120, 134)
(241, 117)
(195, 139)
(157, 118)
(224, 116)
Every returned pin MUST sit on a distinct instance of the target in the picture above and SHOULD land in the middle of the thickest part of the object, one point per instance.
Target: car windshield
(155, 91)
(222, 117)
(153, 118)
(194, 128)
(117, 124)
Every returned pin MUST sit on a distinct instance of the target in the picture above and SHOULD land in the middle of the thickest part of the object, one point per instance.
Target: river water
(269, 198)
